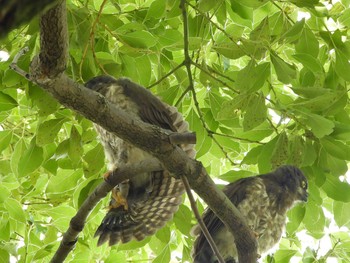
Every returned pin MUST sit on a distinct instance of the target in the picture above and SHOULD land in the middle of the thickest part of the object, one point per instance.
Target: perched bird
(143, 204)
(263, 201)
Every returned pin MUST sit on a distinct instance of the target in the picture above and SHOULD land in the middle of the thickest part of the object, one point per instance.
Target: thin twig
(92, 39)
(200, 221)
(236, 138)
(217, 79)
(14, 65)
(166, 75)
(187, 62)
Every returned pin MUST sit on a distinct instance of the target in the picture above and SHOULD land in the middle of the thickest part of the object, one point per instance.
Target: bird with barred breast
(141, 205)
(263, 201)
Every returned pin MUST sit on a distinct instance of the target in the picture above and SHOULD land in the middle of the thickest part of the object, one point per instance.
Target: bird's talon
(119, 200)
(107, 175)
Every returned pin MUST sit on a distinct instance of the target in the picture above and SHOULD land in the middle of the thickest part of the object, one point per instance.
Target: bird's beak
(304, 197)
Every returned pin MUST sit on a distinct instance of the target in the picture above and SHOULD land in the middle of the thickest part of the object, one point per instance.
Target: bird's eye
(303, 184)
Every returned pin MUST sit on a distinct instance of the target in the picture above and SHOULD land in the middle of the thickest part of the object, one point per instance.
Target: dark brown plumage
(151, 198)
(263, 201)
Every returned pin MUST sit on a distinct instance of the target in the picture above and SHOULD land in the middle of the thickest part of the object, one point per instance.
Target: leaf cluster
(270, 88)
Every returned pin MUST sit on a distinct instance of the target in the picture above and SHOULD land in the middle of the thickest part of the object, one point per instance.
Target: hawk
(263, 201)
(143, 204)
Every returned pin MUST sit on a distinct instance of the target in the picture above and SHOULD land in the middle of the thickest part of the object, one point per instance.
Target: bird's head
(294, 181)
(100, 83)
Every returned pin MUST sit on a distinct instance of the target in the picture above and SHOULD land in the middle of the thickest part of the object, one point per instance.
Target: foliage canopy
(270, 88)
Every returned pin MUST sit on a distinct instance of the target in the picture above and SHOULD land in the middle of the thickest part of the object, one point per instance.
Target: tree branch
(16, 12)
(244, 239)
(47, 72)
(113, 178)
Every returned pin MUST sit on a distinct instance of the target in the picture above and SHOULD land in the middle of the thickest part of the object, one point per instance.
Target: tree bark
(14, 13)
(47, 70)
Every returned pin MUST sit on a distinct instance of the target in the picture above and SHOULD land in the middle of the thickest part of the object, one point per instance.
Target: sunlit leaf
(337, 190)
(7, 102)
(255, 114)
(31, 159)
(47, 131)
(139, 39)
(285, 71)
(341, 213)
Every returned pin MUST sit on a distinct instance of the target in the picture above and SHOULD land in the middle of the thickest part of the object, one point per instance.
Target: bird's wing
(162, 200)
(236, 192)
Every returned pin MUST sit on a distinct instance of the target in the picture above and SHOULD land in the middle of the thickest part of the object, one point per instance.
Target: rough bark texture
(14, 13)
(47, 72)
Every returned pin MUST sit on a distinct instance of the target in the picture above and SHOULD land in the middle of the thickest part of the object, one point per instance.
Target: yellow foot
(106, 175)
(119, 200)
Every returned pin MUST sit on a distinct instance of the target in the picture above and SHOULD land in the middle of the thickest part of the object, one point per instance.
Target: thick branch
(53, 55)
(13, 13)
(93, 106)
(78, 221)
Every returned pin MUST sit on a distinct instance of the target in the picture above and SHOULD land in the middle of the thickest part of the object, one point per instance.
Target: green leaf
(295, 216)
(229, 109)
(307, 43)
(116, 256)
(64, 182)
(164, 256)
(342, 65)
(207, 5)
(294, 32)
(314, 220)
(164, 235)
(255, 114)
(215, 103)
(285, 72)
(7, 102)
(203, 142)
(182, 219)
(47, 131)
(5, 139)
(320, 126)
(156, 9)
(280, 153)
(345, 18)
(229, 50)
(169, 37)
(336, 148)
(284, 255)
(232, 176)
(261, 32)
(296, 151)
(75, 150)
(46, 103)
(253, 155)
(139, 39)
(337, 190)
(31, 159)
(243, 11)
(264, 159)
(252, 78)
(94, 160)
(15, 210)
(61, 216)
(309, 62)
(329, 100)
(254, 3)
(4, 194)
(341, 212)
